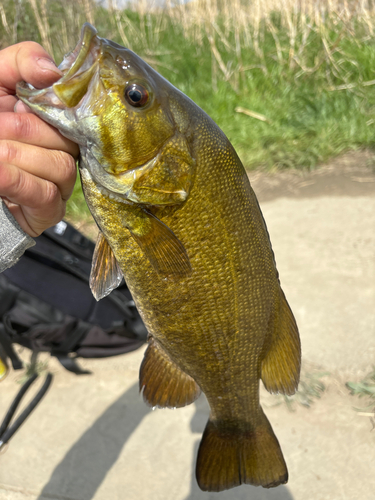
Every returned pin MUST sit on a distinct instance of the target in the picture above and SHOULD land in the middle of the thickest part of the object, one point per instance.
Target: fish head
(126, 118)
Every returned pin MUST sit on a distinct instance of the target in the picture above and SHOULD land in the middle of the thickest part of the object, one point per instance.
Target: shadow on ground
(86, 464)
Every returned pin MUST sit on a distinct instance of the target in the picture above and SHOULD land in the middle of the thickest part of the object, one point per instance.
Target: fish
(178, 219)
(4, 369)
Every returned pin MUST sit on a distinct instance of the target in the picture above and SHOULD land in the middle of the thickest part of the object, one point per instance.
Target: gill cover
(118, 110)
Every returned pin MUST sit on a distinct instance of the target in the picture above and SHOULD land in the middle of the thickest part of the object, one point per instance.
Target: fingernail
(45, 63)
(21, 107)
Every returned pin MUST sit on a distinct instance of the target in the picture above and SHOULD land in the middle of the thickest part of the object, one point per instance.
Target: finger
(26, 61)
(23, 188)
(39, 199)
(34, 221)
(29, 129)
(53, 166)
(21, 107)
(7, 102)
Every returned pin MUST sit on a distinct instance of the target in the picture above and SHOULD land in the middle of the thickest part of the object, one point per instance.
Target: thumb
(26, 61)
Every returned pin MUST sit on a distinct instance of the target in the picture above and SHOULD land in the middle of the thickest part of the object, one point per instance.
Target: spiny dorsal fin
(163, 249)
(105, 273)
(164, 384)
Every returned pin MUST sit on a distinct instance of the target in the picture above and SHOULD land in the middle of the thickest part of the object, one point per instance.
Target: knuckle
(70, 166)
(5, 179)
(52, 194)
(14, 181)
(67, 165)
(23, 125)
(8, 151)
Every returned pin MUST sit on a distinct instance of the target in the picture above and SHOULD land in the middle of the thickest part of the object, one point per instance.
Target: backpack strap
(73, 338)
(6, 332)
(8, 297)
(7, 432)
(71, 364)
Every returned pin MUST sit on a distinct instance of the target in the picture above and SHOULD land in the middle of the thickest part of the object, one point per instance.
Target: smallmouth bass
(3, 367)
(179, 220)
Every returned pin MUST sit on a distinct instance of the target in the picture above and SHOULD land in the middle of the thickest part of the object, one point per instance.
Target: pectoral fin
(161, 246)
(105, 273)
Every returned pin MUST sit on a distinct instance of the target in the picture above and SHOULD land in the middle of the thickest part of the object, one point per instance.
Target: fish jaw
(57, 104)
(45, 104)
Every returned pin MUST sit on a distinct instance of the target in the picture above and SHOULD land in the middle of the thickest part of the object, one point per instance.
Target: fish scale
(178, 216)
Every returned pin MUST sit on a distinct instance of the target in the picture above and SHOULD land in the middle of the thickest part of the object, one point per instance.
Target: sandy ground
(92, 437)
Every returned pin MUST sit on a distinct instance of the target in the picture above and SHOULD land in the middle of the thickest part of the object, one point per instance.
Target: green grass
(364, 389)
(311, 387)
(312, 78)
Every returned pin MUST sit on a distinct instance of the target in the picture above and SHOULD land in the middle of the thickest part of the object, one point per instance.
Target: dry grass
(294, 70)
(230, 28)
(240, 25)
(236, 25)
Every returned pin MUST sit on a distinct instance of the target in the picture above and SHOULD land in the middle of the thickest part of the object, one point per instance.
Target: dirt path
(352, 174)
(93, 438)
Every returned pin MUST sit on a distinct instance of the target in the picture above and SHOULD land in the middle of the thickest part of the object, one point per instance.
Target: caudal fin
(229, 457)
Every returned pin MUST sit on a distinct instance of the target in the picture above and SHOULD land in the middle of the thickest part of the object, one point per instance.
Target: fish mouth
(83, 56)
(77, 68)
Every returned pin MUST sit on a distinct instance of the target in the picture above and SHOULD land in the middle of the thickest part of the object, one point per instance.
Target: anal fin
(281, 364)
(163, 383)
(106, 274)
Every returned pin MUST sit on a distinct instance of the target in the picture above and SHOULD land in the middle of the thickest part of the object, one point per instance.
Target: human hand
(37, 164)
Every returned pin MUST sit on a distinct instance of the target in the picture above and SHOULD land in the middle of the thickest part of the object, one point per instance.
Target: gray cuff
(13, 241)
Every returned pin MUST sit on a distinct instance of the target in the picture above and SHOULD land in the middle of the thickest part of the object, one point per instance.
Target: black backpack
(46, 304)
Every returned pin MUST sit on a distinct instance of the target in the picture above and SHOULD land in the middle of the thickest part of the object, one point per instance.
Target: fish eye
(136, 95)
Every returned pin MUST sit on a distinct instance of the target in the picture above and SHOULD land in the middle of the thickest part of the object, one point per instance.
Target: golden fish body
(3, 368)
(178, 216)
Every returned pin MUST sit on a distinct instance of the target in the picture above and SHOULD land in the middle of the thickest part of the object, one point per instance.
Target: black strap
(78, 331)
(73, 338)
(6, 434)
(71, 364)
(6, 343)
(16, 401)
(8, 297)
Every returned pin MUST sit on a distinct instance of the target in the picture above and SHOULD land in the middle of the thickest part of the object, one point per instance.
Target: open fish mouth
(77, 68)
(83, 56)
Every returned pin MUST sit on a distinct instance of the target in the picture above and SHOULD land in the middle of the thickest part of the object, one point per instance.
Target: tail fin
(230, 457)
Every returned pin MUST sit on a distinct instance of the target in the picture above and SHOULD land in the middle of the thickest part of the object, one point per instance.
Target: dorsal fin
(106, 274)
